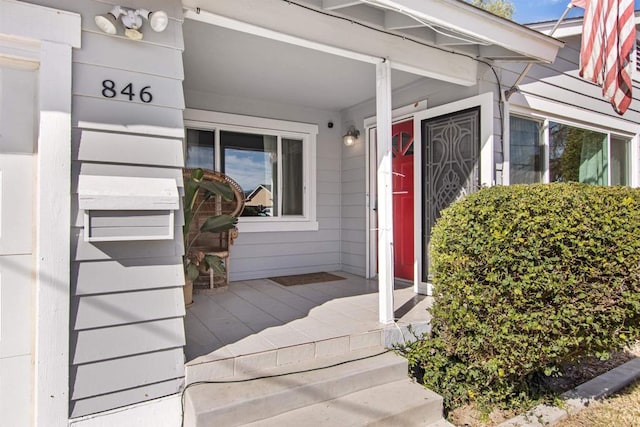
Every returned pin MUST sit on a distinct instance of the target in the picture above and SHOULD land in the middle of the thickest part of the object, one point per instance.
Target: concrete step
(400, 403)
(248, 360)
(326, 378)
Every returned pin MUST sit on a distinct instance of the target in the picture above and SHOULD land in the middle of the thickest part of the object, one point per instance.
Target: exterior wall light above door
(351, 136)
(131, 21)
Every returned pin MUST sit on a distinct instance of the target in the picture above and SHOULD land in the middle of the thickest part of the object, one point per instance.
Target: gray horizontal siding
(353, 203)
(121, 341)
(101, 311)
(125, 397)
(112, 375)
(123, 116)
(111, 169)
(328, 211)
(353, 207)
(274, 263)
(96, 251)
(560, 82)
(164, 61)
(284, 249)
(98, 277)
(96, 146)
(267, 239)
(127, 306)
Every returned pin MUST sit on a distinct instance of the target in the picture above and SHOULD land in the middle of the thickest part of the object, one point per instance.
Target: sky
(528, 11)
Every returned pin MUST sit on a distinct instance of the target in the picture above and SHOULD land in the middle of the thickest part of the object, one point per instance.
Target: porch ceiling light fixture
(131, 21)
(351, 136)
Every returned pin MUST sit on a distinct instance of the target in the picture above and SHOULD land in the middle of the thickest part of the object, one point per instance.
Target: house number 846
(109, 90)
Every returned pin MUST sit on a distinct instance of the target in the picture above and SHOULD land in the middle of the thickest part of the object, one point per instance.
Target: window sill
(276, 226)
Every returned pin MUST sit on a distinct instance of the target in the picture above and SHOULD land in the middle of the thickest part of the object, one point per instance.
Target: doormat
(306, 279)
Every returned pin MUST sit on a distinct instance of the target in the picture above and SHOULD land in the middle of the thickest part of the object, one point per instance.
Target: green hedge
(526, 278)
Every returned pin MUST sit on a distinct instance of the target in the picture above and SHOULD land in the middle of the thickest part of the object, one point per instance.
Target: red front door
(402, 164)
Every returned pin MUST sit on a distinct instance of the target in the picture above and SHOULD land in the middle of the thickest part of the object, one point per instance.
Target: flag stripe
(608, 41)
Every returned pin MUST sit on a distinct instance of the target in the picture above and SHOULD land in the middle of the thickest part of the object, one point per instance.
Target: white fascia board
(41, 23)
(568, 28)
(474, 22)
(329, 34)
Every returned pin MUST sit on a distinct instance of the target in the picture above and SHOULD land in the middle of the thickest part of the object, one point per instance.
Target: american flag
(608, 42)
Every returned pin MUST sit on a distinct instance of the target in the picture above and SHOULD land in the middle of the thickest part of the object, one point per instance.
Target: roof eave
(480, 24)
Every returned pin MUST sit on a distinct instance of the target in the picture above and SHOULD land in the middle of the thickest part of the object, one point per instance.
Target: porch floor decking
(260, 315)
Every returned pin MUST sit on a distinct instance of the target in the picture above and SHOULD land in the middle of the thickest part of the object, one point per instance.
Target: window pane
(577, 155)
(252, 161)
(526, 151)
(200, 149)
(292, 177)
(619, 161)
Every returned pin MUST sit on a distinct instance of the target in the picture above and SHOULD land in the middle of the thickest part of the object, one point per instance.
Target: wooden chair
(218, 244)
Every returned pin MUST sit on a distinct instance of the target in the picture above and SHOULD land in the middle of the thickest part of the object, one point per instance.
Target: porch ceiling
(417, 36)
(236, 64)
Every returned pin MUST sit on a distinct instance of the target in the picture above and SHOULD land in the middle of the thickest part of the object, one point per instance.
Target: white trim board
(55, 33)
(399, 114)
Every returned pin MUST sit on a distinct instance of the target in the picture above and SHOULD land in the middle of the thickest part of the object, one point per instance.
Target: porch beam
(385, 192)
(244, 27)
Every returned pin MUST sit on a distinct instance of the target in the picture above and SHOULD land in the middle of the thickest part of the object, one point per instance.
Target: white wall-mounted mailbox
(120, 208)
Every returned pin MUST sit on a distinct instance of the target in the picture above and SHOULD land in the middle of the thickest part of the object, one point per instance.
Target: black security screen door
(450, 167)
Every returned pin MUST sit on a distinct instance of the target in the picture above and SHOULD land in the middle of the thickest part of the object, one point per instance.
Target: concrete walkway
(260, 315)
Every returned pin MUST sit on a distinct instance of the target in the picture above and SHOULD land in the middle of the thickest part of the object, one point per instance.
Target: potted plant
(197, 191)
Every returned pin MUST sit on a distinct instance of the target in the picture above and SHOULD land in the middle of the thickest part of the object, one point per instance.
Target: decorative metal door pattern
(450, 167)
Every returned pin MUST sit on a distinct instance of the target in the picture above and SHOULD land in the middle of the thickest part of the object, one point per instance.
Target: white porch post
(385, 194)
(51, 385)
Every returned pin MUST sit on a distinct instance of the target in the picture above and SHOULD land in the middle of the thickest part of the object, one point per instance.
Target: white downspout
(385, 192)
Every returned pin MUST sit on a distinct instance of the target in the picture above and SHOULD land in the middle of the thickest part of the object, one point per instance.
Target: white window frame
(307, 133)
(545, 118)
(544, 147)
